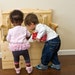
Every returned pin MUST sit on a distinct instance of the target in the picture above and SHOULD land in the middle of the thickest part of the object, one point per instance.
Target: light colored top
(44, 29)
(17, 38)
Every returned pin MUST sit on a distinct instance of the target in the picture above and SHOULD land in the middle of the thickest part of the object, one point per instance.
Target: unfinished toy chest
(45, 16)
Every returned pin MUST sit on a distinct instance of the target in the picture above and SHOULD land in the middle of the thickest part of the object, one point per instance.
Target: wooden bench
(45, 16)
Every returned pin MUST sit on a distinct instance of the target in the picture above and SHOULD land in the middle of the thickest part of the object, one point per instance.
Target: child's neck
(17, 24)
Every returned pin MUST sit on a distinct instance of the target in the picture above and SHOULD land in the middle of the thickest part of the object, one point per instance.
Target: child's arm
(30, 39)
(28, 34)
(41, 31)
(8, 37)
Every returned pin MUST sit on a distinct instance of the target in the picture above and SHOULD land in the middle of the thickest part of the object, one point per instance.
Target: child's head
(16, 17)
(31, 20)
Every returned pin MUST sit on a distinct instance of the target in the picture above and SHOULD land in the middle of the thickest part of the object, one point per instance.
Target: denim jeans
(24, 53)
(49, 53)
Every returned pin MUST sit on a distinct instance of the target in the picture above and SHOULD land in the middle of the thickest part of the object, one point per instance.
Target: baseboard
(67, 52)
(61, 52)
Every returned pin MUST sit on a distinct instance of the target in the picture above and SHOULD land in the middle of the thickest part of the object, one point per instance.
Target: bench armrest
(54, 26)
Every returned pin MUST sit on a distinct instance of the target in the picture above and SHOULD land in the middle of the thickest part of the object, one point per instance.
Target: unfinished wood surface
(44, 16)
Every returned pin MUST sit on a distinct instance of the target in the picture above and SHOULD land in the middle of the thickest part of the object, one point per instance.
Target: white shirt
(44, 29)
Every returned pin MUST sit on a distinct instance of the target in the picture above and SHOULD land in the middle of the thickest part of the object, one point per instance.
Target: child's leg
(16, 61)
(55, 59)
(27, 60)
(55, 62)
(46, 54)
(44, 63)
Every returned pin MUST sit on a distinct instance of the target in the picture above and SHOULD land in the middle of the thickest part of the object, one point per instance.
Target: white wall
(64, 15)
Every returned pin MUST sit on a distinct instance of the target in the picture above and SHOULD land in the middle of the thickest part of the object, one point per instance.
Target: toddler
(52, 42)
(18, 43)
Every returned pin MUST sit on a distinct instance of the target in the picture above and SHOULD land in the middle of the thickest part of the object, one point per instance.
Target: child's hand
(34, 36)
(37, 40)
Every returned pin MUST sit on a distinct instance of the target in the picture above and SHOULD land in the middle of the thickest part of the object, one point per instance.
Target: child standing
(52, 43)
(17, 38)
